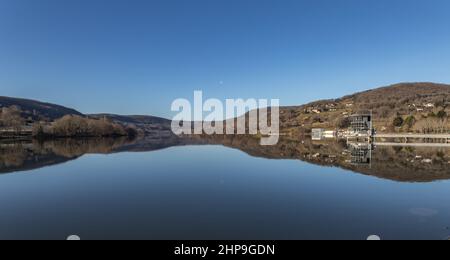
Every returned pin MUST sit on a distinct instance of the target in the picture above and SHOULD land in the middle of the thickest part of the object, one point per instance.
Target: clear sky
(137, 56)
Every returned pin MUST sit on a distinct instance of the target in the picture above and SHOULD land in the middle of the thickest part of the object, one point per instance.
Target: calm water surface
(215, 192)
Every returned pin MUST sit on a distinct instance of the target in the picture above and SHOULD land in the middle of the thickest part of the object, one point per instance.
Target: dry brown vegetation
(12, 156)
(10, 117)
(77, 126)
(13, 123)
(34, 154)
(409, 107)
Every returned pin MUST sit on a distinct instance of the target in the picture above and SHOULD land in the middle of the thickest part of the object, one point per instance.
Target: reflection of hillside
(31, 155)
(153, 143)
(410, 164)
(76, 147)
(23, 156)
(12, 156)
(394, 163)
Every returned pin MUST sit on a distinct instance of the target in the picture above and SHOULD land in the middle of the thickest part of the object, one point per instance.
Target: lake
(221, 188)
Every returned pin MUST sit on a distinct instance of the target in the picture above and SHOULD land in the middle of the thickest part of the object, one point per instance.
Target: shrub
(131, 132)
(38, 131)
(398, 122)
(344, 123)
(442, 114)
(410, 121)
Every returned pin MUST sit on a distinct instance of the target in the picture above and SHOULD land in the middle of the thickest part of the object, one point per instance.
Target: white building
(319, 134)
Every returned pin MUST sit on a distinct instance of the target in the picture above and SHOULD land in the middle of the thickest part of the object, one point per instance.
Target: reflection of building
(361, 124)
(320, 134)
(361, 153)
(317, 134)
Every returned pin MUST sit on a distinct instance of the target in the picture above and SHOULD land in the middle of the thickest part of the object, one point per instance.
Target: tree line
(432, 123)
(68, 126)
(77, 126)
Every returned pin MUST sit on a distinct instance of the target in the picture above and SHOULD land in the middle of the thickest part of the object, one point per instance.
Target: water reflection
(361, 153)
(406, 164)
(28, 155)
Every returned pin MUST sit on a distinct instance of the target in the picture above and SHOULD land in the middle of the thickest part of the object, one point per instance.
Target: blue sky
(136, 56)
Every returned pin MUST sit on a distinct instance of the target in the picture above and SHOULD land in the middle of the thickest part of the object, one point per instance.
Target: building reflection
(361, 153)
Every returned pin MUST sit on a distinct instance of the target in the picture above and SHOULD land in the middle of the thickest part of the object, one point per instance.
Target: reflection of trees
(419, 164)
(407, 164)
(396, 163)
(12, 155)
(433, 125)
(76, 147)
(35, 154)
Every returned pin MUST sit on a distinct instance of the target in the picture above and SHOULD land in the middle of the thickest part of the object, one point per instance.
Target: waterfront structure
(361, 124)
(361, 153)
(318, 134)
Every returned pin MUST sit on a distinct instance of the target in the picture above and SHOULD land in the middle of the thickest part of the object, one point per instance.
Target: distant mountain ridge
(132, 119)
(52, 111)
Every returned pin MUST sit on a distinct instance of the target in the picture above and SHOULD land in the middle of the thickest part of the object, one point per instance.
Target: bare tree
(76, 126)
(432, 125)
(11, 117)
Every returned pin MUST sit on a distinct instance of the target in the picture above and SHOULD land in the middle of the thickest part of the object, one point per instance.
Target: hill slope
(148, 124)
(421, 102)
(38, 110)
(419, 105)
(133, 119)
